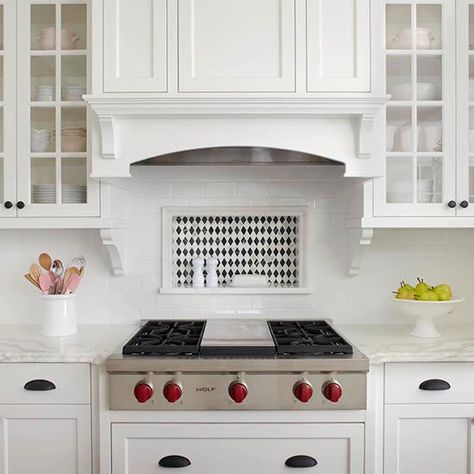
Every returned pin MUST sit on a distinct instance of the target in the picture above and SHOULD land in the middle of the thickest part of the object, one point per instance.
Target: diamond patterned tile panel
(264, 245)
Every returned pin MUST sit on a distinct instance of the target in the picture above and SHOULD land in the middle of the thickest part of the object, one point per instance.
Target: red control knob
(332, 391)
(143, 392)
(303, 392)
(172, 392)
(238, 392)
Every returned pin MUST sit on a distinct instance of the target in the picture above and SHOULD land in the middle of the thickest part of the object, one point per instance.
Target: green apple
(444, 292)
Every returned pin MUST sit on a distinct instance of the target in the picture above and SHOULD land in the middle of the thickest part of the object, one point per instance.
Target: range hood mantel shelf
(137, 128)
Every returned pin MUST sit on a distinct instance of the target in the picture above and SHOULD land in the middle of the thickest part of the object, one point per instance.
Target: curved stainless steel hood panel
(236, 156)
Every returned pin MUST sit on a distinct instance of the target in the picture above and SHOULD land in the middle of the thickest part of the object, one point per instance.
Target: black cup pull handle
(434, 384)
(301, 461)
(174, 461)
(39, 385)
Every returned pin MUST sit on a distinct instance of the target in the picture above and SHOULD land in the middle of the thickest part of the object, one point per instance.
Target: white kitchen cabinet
(230, 46)
(135, 45)
(338, 448)
(435, 439)
(45, 439)
(338, 45)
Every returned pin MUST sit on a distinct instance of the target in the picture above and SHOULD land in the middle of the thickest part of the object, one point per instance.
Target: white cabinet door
(237, 448)
(45, 439)
(435, 439)
(338, 45)
(135, 44)
(236, 46)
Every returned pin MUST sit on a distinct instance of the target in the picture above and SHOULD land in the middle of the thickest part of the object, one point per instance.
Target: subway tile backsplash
(436, 255)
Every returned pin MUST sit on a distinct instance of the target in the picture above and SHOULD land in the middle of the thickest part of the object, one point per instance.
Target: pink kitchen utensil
(72, 283)
(45, 282)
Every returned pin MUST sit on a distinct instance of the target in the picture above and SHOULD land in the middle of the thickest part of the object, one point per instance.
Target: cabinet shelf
(55, 52)
(418, 52)
(62, 103)
(79, 154)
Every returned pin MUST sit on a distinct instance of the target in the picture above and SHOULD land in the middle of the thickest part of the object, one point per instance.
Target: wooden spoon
(45, 261)
(32, 281)
(35, 272)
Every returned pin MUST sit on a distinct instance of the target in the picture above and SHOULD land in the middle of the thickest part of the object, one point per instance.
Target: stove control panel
(244, 391)
(172, 391)
(303, 391)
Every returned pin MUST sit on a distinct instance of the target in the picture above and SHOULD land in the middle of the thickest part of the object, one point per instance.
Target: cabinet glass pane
(429, 78)
(43, 78)
(43, 180)
(43, 27)
(428, 26)
(430, 129)
(429, 182)
(73, 133)
(73, 180)
(399, 81)
(2, 191)
(73, 77)
(43, 124)
(399, 129)
(400, 185)
(74, 26)
(398, 27)
(1, 79)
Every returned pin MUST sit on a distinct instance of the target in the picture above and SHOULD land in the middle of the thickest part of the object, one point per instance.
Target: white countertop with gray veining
(92, 343)
(393, 343)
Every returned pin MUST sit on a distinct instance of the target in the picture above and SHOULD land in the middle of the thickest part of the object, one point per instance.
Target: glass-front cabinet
(420, 58)
(45, 145)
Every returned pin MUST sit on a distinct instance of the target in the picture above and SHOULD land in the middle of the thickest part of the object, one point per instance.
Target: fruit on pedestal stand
(405, 292)
(427, 295)
(444, 292)
(421, 286)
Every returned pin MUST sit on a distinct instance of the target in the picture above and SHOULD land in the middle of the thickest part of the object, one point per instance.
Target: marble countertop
(92, 343)
(393, 343)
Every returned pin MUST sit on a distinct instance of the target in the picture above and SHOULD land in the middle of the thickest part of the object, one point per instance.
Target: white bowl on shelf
(47, 38)
(405, 137)
(425, 312)
(424, 90)
(73, 93)
(424, 39)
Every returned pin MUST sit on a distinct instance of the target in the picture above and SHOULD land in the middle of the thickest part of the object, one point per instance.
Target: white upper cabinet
(135, 45)
(338, 45)
(184, 47)
(236, 46)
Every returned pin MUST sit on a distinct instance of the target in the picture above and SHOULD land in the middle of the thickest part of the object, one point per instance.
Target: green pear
(427, 295)
(405, 292)
(444, 292)
(406, 286)
(421, 286)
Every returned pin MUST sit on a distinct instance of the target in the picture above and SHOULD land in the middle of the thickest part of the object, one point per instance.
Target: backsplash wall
(436, 255)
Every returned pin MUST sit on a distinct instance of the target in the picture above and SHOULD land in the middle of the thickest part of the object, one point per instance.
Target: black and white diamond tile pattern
(264, 245)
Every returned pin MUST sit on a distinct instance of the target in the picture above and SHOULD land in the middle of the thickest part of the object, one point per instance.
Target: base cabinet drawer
(237, 448)
(429, 382)
(45, 383)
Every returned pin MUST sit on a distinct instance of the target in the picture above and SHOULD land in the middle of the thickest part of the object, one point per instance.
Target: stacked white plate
(73, 92)
(45, 93)
(43, 193)
(40, 140)
(74, 194)
(73, 139)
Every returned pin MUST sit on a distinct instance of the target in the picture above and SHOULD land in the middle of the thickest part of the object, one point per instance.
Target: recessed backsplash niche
(265, 241)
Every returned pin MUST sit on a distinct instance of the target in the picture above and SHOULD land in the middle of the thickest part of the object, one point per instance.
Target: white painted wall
(437, 255)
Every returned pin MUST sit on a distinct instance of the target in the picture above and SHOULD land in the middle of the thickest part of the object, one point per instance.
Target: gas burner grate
(307, 338)
(162, 337)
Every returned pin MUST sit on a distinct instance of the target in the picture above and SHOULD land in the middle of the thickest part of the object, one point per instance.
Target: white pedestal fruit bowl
(425, 312)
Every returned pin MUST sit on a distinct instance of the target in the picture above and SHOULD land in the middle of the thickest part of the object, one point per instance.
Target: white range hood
(134, 129)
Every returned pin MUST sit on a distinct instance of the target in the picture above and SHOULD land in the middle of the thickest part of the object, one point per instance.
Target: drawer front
(45, 383)
(403, 380)
(237, 448)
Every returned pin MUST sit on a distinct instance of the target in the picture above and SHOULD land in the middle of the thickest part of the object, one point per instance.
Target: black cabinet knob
(20, 204)
(452, 204)
(464, 204)
(8, 204)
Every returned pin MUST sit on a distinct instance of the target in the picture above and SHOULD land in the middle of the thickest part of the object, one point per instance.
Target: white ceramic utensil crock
(59, 316)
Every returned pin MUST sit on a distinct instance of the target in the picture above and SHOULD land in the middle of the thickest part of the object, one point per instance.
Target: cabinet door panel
(45, 440)
(135, 45)
(225, 45)
(434, 439)
(234, 448)
(338, 45)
